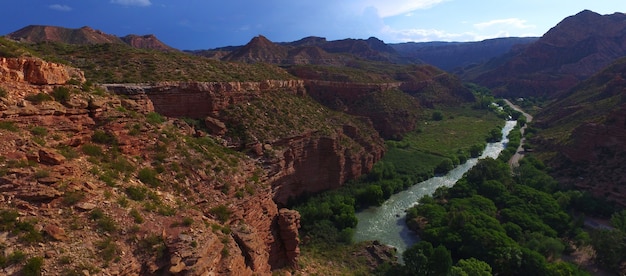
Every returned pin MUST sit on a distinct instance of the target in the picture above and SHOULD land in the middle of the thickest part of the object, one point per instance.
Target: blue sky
(204, 24)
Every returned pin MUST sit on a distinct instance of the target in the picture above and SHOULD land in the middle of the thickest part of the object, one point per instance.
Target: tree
(619, 220)
(423, 259)
(416, 258)
(440, 262)
(445, 166)
(437, 116)
(610, 247)
(471, 267)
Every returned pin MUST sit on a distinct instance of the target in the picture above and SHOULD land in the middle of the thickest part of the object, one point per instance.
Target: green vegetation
(221, 212)
(32, 267)
(38, 98)
(39, 131)
(108, 249)
(104, 222)
(10, 126)
(24, 229)
(149, 176)
(153, 245)
(330, 217)
(120, 63)
(61, 94)
(501, 225)
(103, 137)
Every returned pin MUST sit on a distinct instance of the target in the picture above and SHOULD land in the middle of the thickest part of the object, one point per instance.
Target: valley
(125, 156)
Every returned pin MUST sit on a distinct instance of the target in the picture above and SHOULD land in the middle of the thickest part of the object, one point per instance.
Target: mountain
(309, 50)
(84, 36)
(81, 36)
(570, 52)
(584, 133)
(259, 49)
(454, 55)
(146, 42)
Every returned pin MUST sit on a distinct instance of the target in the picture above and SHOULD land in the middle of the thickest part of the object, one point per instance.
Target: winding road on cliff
(514, 161)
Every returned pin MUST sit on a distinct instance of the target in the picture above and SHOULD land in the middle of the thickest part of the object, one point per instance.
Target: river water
(386, 224)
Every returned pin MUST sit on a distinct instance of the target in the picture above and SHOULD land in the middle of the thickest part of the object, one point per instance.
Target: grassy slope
(120, 63)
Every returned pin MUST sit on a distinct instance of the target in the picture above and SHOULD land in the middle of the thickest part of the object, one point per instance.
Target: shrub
(92, 150)
(3, 93)
(10, 126)
(153, 244)
(61, 94)
(73, 197)
(136, 216)
(39, 131)
(38, 98)
(149, 176)
(32, 266)
(103, 137)
(108, 249)
(154, 118)
(437, 116)
(136, 193)
(221, 212)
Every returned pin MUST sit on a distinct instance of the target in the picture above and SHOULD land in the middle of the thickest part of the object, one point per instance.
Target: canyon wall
(202, 99)
(309, 162)
(37, 72)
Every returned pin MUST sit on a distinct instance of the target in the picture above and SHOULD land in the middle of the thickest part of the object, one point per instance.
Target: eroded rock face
(36, 71)
(202, 99)
(288, 224)
(310, 164)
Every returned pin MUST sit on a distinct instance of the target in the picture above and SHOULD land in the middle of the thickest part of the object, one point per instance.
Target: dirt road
(514, 161)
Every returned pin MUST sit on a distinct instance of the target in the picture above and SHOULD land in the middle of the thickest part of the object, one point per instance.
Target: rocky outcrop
(289, 223)
(310, 164)
(37, 72)
(202, 99)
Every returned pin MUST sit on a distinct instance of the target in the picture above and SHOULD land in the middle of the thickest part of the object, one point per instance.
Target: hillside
(583, 134)
(153, 169)
(570, 52)
(90, 176)
(453, 56)
(84, 36)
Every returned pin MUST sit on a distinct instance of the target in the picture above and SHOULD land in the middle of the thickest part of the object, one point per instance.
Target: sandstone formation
(60, 194)
(37, 72)
(202, 99)
(296, 169)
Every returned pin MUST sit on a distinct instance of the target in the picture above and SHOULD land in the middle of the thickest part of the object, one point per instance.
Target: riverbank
(519, 153)
(386, 223)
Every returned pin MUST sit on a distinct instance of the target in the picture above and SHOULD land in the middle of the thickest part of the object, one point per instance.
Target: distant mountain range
(84, 36)
(570, 52)
(576, 48)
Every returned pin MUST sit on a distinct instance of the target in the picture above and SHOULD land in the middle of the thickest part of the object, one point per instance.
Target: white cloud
(422, 35)
(510, 22)
(388, 8)
(59, 7)
(141, 3)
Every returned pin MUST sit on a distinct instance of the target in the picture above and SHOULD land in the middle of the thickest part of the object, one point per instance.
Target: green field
(420, 151)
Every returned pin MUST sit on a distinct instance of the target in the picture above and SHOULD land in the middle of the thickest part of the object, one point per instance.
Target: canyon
(258, 236)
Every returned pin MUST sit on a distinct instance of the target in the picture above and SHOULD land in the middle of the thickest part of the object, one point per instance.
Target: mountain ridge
(85, 36)
(576, 48)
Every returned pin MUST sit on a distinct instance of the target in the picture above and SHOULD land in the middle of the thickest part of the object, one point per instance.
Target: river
(386, 224)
